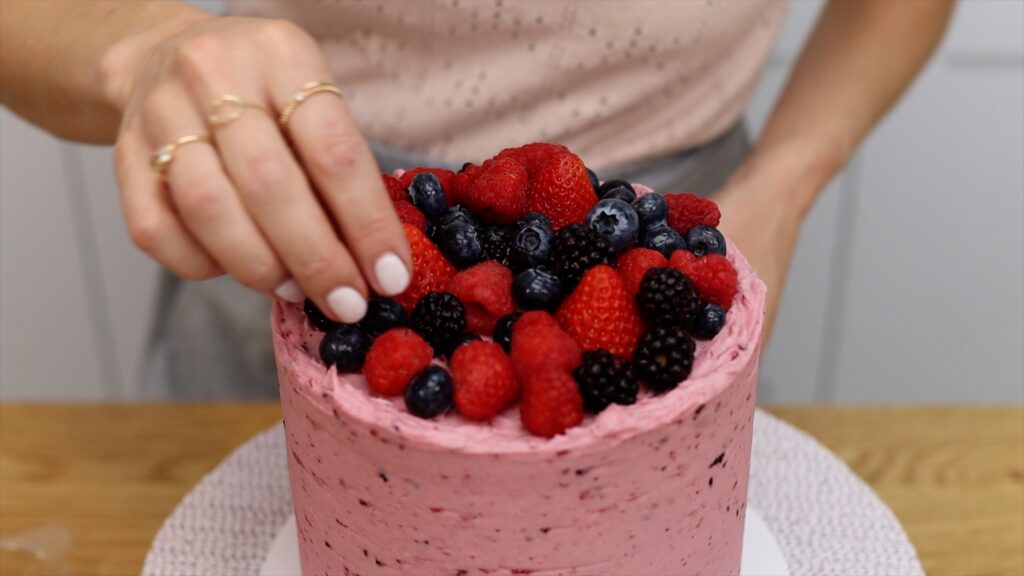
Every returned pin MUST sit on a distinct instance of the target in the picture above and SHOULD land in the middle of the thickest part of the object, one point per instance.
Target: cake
(657, 486)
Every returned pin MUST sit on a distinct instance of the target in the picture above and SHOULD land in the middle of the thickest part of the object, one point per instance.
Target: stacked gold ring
(228, 108)
(164, 155)
(302, 95)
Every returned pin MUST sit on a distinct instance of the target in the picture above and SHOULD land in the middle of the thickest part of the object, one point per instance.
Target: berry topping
(633, 264)
(537, 289)
(444, 176)
(579, 249)
(459, 241)
(440, 318)
(427, 194)
(394, 358)
(456, 212)
(430, 270)
(688, 210)
(664, 357)
(502, 333)
(462, 182)
(713, 275)
(383, 314)
(538, 344)
(667, 298)
(396, 191)
(594, 180)
(617, 189)
(316, 318)
(430, 393)
(484, 383)
(652, 210)
(499, 192)
(604, 379)
(408, 214)
(561, 191)
(533, 242)
(497, 243)
(533, 156)
(486, 292)
(344, 347)
(601, 314)
(703, 240)
(454, 345)
(709, 322)
(663, 239)
(551, 403)
(616, 221)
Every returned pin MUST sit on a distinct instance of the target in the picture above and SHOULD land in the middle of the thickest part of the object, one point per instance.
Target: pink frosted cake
(655, 485)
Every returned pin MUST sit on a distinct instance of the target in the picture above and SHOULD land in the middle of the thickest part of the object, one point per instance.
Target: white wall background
(908, 285)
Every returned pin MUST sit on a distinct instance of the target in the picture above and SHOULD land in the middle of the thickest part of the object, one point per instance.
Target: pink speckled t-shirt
(616, 81)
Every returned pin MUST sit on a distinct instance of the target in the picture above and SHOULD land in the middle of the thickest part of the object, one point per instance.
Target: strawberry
(395, 189)
(539, 343)
(484, 383)
(532, 156)
(634, 263)
(600, 314)
(551, 403)
(394, 358)
(713, 275)
(431, 272)
(499, 192)
(486, 292)
(444, 176)
(561, 191)
(409, 214)
(688, 210)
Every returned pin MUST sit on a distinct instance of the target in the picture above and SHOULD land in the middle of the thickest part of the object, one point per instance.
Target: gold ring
(228, 108)
(164, 155)
(302, 95)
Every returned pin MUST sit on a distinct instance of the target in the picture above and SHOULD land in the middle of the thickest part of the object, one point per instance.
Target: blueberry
(533, 242)
(709, 322)
(503, 330)
(616, 221)
(620, 194)
(345, 347)
(455, 213)
(620, 188)
(537, 289)
(652, 209)
(427, 194)
(663, 239)
(593, 180)
(318, 319)
(460, 242)
(383, 314)
(449, 348)
(702, 239)
(430, 393)
(431, 231)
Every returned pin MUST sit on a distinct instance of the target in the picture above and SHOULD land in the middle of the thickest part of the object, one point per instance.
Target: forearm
(858, 61)
(53, 55)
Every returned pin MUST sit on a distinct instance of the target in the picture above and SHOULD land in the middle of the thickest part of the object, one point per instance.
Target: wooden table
(112, 473)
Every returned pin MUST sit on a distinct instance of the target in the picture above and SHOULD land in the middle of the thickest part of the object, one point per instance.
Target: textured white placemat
(827, 521)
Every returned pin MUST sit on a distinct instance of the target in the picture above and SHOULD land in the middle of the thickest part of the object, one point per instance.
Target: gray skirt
(211, 340)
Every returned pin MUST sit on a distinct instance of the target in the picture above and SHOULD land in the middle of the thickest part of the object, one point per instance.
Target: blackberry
(663, 358)
(383, 314)
(667, 298)
(497, 243)
(451, 346)
(345, 347)
(317, 318)
(440, 318)
(430, 393)
(578, 249)
(605, 379)
(503, 330)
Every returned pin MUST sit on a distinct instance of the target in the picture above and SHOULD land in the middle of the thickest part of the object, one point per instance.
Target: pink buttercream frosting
(658, 487)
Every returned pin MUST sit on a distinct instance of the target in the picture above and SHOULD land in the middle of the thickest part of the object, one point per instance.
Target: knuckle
(159, 101)
(261, 274)
(198, 197)
(282, 33)
(200, 271)
(198, 49)
(268, 172)
(317, 267)
(145, 232)
(337, 154)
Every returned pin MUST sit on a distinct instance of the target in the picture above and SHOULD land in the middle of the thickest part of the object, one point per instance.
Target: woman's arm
(858, 61)
(52, 54)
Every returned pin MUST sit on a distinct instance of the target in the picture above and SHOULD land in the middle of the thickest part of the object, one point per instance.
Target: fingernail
(347, 304)
(289, 290)
(392, 274)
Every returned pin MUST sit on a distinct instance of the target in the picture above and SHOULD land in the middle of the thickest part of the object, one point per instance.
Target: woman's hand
(292, 211)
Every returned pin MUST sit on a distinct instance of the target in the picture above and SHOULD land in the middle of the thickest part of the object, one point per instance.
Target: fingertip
(392, 274)
(290, 291)
(347, 304)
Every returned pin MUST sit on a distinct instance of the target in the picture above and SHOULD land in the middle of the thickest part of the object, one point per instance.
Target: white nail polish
(347, 304)
(289, 290)
(392, 274)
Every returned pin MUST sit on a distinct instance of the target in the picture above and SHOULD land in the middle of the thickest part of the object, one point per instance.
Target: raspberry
(561, 190)
(408, 214)
(713, 275)
(484, 383)
(578, 249)
(539, 344)
(499, 192)
(444, 176)
(395, 189)
(486, 292)
(394, 358)
(600, 314)
(440, 318)
(430, 270)
(664, 357)
(462, 182)
(532, 156)
(634, 263)
(551, 403)
(667, 298)
(536, 319)
(605, 379)
(688, 210)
